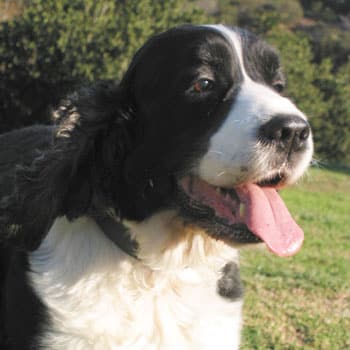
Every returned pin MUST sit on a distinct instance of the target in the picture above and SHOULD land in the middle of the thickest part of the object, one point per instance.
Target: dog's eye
(202, 85)
(278, 85)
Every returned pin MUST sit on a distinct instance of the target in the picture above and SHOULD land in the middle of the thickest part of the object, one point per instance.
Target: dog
(121, 223)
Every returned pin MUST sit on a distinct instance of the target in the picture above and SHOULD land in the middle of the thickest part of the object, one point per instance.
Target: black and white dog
(120, 224)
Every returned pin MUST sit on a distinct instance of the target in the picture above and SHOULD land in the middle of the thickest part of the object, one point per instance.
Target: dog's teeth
(241, 210)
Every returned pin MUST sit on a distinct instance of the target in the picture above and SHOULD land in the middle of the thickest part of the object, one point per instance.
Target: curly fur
(92, 134)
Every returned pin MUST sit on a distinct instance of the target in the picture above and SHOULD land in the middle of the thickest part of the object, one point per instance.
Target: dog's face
(214, 136)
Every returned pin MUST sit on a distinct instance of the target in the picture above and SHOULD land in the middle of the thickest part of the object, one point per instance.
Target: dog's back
(17, 149)
(20, 148)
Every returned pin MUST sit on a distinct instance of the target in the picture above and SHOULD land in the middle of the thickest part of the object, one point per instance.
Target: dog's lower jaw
(98, 297)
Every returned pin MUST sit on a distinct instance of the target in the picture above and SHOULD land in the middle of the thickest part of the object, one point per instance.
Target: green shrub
(322, 94)
(259, 15)
(333, 129)
(56, 43)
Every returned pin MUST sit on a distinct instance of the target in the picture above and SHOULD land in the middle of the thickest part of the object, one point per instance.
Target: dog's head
(214, 136)
(197, 125)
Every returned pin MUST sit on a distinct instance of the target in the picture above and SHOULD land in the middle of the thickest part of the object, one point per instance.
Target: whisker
(317, 163)
(216, 152)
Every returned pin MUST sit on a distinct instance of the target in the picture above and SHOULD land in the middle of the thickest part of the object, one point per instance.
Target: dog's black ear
(90, 141)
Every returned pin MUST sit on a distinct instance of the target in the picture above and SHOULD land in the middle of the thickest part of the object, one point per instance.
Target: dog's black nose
(289, 132)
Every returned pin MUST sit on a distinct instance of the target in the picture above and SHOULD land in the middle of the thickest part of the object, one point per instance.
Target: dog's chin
(246, 214)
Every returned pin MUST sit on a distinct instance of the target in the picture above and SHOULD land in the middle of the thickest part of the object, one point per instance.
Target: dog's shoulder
(20, 148)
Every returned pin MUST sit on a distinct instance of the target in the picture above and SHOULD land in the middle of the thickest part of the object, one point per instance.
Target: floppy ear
(90, 141)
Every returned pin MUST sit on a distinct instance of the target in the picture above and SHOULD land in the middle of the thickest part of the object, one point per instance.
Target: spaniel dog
(120, 224)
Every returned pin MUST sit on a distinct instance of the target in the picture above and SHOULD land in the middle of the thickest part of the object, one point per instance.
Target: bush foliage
(57, 44)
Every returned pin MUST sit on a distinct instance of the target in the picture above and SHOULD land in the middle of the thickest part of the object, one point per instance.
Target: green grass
(303, 302)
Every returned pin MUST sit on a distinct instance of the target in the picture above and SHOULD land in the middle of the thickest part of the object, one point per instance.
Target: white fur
(100, 298)
(235, 155)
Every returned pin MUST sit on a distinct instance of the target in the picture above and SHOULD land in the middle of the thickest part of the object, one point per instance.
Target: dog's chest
(100, 298)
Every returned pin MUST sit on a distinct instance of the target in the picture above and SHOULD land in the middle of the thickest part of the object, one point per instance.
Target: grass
(303, 302)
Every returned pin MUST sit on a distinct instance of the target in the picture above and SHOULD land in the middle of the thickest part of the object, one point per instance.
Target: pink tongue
(267, 217)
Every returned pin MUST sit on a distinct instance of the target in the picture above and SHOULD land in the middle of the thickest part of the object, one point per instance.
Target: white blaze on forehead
(235, 40)
(234, 146)
(267, 102)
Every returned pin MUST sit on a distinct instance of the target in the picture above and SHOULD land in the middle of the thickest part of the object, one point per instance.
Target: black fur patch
(118, 234)
(261, 61)
(229, 285)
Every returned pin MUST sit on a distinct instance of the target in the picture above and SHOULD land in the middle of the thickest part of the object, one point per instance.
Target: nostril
(305, 133)
(286, 133)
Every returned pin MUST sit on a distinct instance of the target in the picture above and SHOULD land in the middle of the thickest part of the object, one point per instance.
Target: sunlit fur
(100, 298)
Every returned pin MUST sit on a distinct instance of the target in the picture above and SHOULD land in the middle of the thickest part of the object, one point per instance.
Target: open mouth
(248, 213)
(272, 181)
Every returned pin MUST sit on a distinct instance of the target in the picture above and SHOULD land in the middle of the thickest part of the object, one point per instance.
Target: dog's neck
(165, 241)
(184, 287)
(117, 233)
